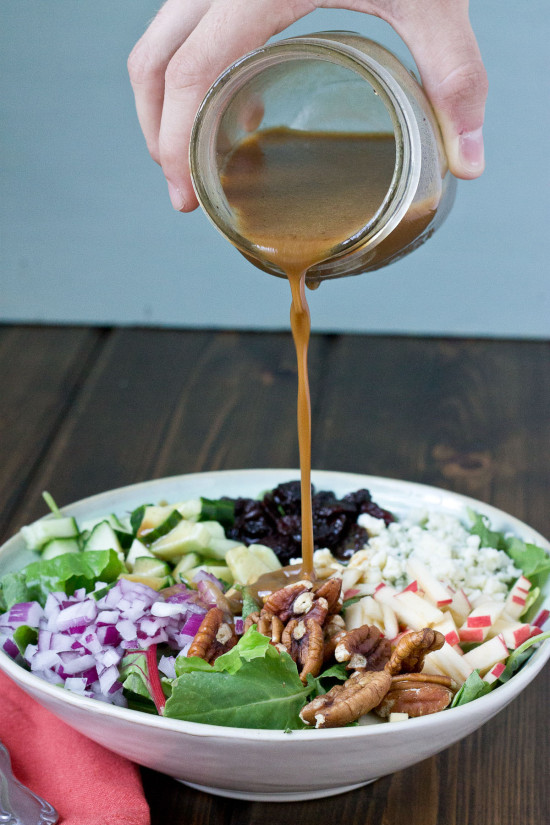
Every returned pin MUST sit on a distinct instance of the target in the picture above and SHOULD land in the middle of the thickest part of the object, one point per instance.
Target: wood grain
(42, 371)
(86, 410)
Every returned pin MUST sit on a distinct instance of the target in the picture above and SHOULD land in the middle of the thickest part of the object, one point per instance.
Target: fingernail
(470, 147)
(176, 197)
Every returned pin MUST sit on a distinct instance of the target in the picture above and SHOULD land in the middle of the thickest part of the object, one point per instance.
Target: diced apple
(493, 674)
(448, 628)
(412, 586)
(350, 594)
(398, 717)
(371, 610)
(350, 577)
(407, 617)
(425, 610)
(449, 662)
(485, 615)
(488, 654)
(391, 625)
(479, 622)
(434, 590)
(517, 598)
(460, 606)
(353, 616)
(542, 618)
(514, 633)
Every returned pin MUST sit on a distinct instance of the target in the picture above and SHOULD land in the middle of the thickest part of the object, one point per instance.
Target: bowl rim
(491, 702)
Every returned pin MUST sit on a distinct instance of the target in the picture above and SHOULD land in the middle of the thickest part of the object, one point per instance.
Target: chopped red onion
(167, 665)
(192, 624)
(82, 639)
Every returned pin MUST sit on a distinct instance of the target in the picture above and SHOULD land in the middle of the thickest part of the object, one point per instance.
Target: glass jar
(329, 81)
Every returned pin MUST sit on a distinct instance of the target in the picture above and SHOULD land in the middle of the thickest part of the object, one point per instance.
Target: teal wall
(88, 234)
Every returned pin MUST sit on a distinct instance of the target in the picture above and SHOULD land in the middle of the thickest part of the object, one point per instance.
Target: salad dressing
(296, 195)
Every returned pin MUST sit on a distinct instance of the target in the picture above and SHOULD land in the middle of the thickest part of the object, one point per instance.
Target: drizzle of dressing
(296, 195)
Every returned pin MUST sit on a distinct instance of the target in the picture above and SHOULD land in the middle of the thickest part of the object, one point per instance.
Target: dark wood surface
(84, 410)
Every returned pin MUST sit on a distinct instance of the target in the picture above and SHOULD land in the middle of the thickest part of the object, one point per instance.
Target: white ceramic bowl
(259, 764)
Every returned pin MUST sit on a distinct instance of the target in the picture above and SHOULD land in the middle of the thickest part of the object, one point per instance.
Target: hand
(190, 42)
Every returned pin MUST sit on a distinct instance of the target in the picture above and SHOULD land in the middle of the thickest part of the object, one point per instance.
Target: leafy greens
(251, 686)
(64, 573)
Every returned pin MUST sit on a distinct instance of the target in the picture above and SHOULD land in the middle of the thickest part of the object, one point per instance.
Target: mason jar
(329, 82)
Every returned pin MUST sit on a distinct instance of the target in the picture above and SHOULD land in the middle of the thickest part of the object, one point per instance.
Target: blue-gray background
(88, 234)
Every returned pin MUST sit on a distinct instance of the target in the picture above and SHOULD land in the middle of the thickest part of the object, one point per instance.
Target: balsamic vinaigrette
(296, 195)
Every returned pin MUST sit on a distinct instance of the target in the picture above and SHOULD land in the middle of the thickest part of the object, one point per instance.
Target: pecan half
(281, 602)
(334, 630)
(364, 648)
(300, 600)
(409, 652)
(267, 624)
(345, 703)
(331, 590)
(417, 694)
(214, 636)
(303, 639)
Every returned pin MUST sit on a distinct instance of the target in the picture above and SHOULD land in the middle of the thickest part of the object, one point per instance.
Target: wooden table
(84, 410)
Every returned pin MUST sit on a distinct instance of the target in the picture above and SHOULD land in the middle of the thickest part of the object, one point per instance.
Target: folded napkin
(85, 783)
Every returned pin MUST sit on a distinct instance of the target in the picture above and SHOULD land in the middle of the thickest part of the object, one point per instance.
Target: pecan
(331, 590)
(364, 648)
(267, 624)
(281, 602)
(252, 618)
(416, 694)
(409, 652)
(303, 639)
(345, 703)
(214, 636)
(299, 600)
(334, 630)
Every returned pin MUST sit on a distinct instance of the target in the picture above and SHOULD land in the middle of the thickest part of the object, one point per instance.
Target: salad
(158, 610)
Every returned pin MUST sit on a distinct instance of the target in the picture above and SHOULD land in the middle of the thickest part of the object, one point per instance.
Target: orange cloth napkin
(86, 784)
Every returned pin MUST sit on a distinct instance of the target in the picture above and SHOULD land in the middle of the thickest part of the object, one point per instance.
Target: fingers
(444, 47)
(226, 32)
(150, 57)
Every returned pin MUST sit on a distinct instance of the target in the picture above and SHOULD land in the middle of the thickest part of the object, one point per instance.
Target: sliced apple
(480, 620)
(460, 605)
(517, 598)
(513, 632)
(493, 674)
(434, 590)
(448, 662)
(483, 658)
(448, 627)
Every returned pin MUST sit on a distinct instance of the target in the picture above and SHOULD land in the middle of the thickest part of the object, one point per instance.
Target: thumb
(454, 78)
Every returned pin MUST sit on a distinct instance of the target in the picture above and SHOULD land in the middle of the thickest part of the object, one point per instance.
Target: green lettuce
(251, 686)
(65, 573)
(519, 656)
(473, 688)
(533, 561)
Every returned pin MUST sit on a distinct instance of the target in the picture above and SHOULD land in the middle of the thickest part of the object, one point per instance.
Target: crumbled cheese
(441, 542)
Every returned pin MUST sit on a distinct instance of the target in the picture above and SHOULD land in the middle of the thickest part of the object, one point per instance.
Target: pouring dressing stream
(295, 196)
